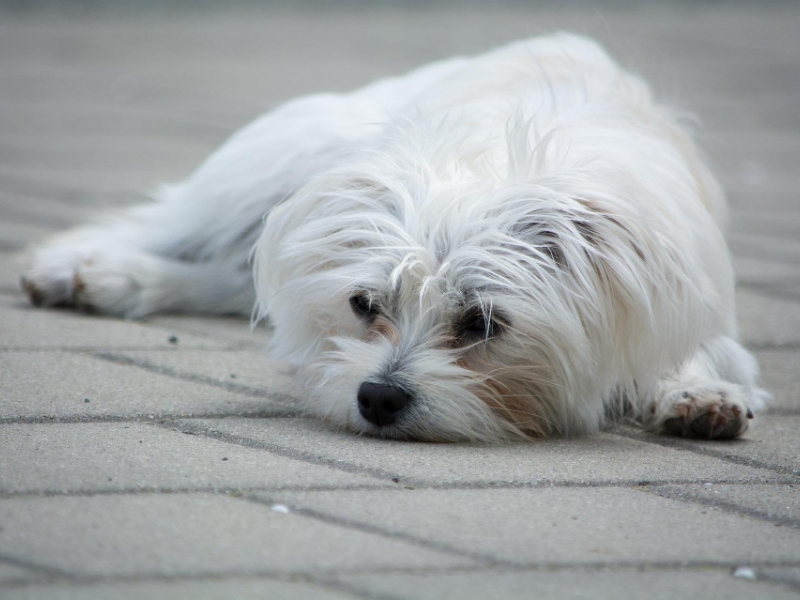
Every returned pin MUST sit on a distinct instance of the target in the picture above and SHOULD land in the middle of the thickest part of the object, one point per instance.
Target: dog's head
(464, 305)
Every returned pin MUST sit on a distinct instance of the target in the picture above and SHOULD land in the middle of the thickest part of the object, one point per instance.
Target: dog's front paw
(707, 412)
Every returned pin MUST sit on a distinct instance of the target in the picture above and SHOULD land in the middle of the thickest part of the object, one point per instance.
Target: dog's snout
(381, 404)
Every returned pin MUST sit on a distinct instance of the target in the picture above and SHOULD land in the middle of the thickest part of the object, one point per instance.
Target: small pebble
(173, 339)
(281, 508)
(744, 573)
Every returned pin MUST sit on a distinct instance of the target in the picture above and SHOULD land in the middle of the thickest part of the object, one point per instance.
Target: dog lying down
(518, 244)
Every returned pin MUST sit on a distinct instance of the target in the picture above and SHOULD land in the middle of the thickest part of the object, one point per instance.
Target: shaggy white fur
(521, 243)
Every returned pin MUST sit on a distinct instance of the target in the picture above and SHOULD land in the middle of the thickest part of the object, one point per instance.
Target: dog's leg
(107, 270)
(712, 396)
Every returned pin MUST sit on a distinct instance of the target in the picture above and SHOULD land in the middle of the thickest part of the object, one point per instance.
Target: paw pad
(708, 416)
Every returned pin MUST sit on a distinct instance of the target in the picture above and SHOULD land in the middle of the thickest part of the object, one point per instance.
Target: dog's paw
(118, 283)
(716, 412)
(51, 279)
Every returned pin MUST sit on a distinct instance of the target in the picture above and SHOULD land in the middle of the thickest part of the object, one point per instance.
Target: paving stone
(250, 369)
(772, 441)
(557, 525)
(17, 236)
(788, 576)
(190, 535)
(11, 265)
(599, 458)
(57, 384)
(773, 247)
(95, 109)
(234, 329)
(25, 327)
(781, 224)
(757, 272)
(780, 376)
(778, 503)
(207, 589)
(14, 573)
(48, 213)
(765, 320)
(568, 584)
(91, 457)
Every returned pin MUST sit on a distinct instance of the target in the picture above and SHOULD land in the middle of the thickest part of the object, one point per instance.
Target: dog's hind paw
(709, 413)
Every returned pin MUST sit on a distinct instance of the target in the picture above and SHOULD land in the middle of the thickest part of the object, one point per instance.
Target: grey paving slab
(42, 212)
(782, 223)
(234, 329)
(9, 573)
(209, 589)
(558, 525)
(780, 375)
(57, 384)
(198, 534)
(11, 265)
(250, 370)
(787, 576)
(569, 584)
(96, 108)
(600, 459)
(762, 272)
(777, 503)
(18, 236)
(765, 320)
(773, 441)
(772, 247)
(93, 457)
(25, 327)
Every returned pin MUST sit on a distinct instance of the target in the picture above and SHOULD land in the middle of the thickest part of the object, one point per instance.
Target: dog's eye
(477, 325)
(362, 306)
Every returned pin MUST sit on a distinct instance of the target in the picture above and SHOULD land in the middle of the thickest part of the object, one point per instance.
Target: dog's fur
(522, 243)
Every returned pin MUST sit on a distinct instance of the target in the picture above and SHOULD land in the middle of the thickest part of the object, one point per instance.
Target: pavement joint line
(774, 291)
(91, 350)
(11, 215)
(782, 411)
(480, 558)
(69, 195)
(786, 258)
(394, 486)
(37, 568)
(233, 492)
(788, 582)
(150, 367)
(786, 346)
(316, 576)
(348, 467)
(399, 486)
(140, 417)
(730, 507)
(7, 247)
(185, 427)
(352, 589)
(681, 444)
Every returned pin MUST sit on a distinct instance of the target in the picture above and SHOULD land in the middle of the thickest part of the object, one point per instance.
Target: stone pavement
(136, 467)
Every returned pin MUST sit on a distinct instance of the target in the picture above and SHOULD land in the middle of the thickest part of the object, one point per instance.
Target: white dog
(517, 244)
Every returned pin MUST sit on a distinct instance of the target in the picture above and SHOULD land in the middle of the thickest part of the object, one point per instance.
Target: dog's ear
(569, 234)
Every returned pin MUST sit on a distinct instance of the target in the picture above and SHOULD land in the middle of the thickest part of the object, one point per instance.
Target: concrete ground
(132, 466)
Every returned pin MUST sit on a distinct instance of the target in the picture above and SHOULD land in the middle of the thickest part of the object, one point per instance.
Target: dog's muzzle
(381, 404)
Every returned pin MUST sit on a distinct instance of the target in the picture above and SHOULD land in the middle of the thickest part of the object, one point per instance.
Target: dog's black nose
(381, 404)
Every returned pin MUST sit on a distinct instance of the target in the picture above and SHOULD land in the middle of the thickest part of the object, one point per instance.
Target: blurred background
(101, 100)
